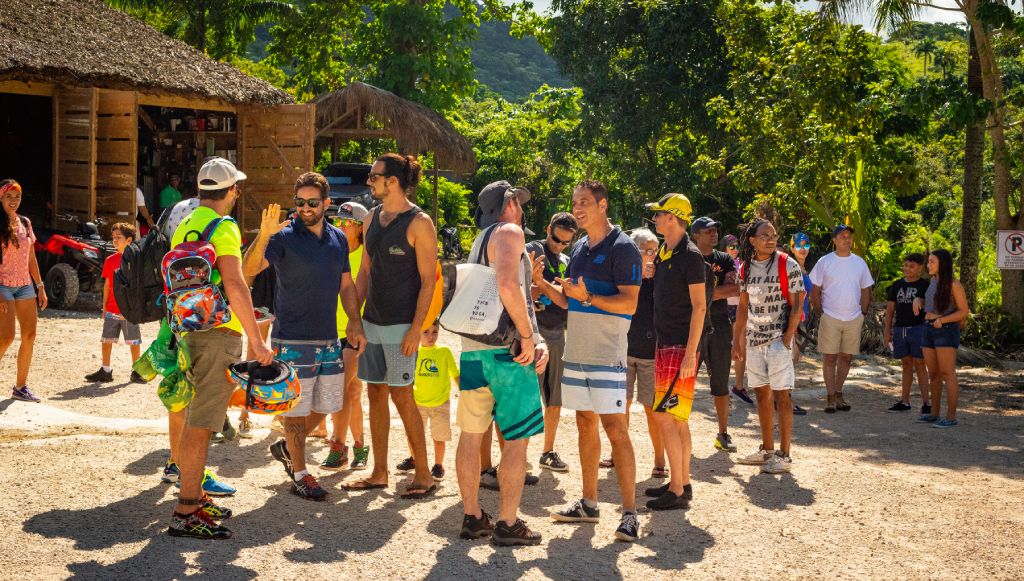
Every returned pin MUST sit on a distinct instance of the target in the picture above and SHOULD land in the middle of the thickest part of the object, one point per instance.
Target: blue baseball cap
(799, 238)
(840, 228)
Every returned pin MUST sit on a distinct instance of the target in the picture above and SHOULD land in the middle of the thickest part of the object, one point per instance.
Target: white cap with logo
(217, 174)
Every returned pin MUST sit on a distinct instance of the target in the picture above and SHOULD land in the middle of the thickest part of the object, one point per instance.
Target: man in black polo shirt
(551, 306)
(680, 306)
(716, 351)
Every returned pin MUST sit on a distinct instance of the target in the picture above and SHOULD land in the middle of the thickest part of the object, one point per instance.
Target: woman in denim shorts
(19, 281)
(945, 306)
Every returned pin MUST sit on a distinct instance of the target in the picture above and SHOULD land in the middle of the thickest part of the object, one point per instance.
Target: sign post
(1010, 249)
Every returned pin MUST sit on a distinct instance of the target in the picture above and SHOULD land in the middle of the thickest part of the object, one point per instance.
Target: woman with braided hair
(21, 285)
(771, 294)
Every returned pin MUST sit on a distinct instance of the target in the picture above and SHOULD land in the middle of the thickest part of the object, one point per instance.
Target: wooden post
(334, 148)
(434, 212)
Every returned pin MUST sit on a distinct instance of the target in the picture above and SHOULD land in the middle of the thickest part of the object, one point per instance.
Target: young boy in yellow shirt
(435, 371)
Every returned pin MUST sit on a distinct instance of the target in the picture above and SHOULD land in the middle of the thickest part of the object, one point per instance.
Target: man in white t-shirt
(842, 292)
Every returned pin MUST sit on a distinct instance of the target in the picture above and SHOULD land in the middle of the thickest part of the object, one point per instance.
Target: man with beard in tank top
(396, 278)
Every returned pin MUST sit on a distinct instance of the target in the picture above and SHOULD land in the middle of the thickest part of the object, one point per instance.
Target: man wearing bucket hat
(680, 306)
(499, 383)
(602, 285)
(842, 292)
(213, 351)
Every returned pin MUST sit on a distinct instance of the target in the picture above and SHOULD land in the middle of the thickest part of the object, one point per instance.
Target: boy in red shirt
(115, 325)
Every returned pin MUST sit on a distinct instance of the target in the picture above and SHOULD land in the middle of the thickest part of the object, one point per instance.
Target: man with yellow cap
(680, 305)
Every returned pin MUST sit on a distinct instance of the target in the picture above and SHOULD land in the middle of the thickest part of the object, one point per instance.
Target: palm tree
(926, 48)
(218, 27)
(890, 14)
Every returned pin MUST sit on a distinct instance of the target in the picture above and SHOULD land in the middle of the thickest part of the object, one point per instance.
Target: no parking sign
(1010, 249)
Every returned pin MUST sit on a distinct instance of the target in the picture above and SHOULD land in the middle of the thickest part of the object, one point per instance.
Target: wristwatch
(587, 301)
(40, 284)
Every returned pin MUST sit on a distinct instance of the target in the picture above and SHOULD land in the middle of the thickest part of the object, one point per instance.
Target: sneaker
(577, 512)
(23, 393)
(927, 419)
(279, 450)
(830, 405)
(228, 431)
(360, 454)
(777, 464)
(406, 465)
(337, 458)
(841, 404)
(899, 406)
(551, 461)
(100, 376)
(213, 485)
(245, 428)
(629, 527)
(308, 488)
(741, 394)
(214, 510)
(724, 442)
(475, 528)
(926, 409)
(437, 472)
(197, 525)
(136, 378)
(217, 438)
(171, 473)
(799, 411)
(756, 458)
(660, 490)
(489, 478)
(530, 479)
(669, 501)
(944, 423)
(517, 534)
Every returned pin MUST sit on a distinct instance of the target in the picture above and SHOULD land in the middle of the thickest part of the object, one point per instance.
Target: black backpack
(139, 283)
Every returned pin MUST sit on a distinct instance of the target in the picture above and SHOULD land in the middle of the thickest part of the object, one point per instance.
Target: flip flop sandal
(363, 485)
(608, 463)
(420, 492)
(659, 473)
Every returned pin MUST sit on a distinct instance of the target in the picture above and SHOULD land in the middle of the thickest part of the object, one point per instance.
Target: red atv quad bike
(72, 261)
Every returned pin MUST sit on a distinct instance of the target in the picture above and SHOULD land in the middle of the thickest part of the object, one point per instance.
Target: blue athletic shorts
(907, 341)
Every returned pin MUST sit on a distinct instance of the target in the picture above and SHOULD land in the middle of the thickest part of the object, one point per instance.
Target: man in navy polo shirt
(310, 258)
(602, 284)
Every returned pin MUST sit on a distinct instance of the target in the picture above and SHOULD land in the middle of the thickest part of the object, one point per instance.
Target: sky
(929, 14)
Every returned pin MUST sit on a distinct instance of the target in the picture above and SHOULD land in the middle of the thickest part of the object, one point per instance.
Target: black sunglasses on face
(556, 240)
(314, 203)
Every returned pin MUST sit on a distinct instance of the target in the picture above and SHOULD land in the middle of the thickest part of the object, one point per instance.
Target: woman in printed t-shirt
(21, 285)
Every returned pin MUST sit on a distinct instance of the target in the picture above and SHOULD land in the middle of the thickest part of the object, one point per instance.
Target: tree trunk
(974, 161)
(1006, 219)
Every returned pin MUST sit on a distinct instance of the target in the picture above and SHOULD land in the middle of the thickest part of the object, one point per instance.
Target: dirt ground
(871, 495)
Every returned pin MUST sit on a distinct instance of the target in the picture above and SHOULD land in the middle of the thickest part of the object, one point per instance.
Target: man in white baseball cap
(217, 174)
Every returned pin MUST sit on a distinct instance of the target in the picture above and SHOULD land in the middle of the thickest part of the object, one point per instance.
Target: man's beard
(312, 221)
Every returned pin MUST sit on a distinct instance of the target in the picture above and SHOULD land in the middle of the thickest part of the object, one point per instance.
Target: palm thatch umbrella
(361, 111)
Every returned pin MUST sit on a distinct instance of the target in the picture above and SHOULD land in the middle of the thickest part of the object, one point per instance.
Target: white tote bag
(475, 308)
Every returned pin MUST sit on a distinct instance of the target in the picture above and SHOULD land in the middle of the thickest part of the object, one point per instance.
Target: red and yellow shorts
(671, 394)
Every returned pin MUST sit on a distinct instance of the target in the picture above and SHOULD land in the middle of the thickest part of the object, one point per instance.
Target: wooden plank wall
(75, 154)
(117, 134)
(275, 146)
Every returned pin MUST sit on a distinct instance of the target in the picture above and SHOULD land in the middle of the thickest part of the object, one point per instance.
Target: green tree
(313, 45)
(926, 48)
(216, 27)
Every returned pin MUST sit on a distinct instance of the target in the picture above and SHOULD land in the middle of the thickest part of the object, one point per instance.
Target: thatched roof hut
(88, 43)
(343, 114)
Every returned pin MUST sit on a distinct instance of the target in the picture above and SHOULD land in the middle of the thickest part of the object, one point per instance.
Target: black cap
(491, 201)
(703, 223)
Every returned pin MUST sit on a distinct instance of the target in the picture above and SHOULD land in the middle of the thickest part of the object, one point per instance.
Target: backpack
(192, 301)
(781, 257)
(138, 284)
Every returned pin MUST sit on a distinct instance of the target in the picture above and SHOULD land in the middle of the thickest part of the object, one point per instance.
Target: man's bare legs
(654, 430)
(676, 436)
(406, 405)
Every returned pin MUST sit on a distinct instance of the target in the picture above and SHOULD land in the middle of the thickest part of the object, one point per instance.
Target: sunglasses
(650, 251)
(373, 176)
(346, 222)
(314, 203)
(803, 246)
(556, 240)
(731, 247)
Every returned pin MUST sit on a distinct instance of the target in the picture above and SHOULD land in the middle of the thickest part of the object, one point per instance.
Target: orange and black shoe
(197, 525)
(214, 510)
